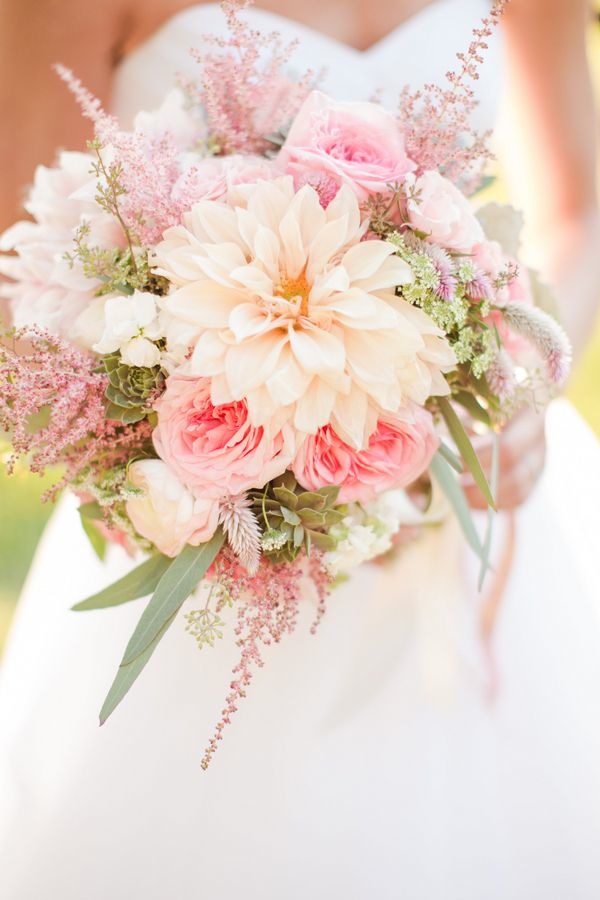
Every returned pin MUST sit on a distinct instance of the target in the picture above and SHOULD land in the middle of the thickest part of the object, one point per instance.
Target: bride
(399, 752)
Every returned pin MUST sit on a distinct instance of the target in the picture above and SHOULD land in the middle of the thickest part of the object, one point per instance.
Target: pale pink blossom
(215, 450)
(358, 144)
(399, 450)
(166, 512)
(439, 210)
(47, 290)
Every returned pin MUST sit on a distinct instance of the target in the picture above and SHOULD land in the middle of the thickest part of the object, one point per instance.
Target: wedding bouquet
(256, 330)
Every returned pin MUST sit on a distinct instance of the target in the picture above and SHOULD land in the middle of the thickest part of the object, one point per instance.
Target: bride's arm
(549, 143)
(549, 147)
(37, 112)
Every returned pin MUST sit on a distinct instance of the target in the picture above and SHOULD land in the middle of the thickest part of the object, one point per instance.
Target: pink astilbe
(41, 374)
(244, 91)
(267, 608)
(147, 168)
(44, 377)
(436, 119)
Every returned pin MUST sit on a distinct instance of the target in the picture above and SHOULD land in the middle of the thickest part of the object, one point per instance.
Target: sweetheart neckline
(301, 27)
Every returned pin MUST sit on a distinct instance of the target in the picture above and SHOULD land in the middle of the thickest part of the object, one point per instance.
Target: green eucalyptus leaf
(451, 457)
(97, 540)
(175, 586)
(487, 541)
(138, 583)
(472, 406)
(466, 450)
(127, 674)
(447, 480)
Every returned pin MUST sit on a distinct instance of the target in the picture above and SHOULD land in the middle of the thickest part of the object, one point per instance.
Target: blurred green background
(23, 516)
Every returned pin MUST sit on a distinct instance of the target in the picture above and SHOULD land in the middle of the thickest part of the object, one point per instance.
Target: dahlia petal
(366, 258)
(215, 222)
(248, 320)
(250, 364)
(314, 408)
(208, 357)
(392, 272)
(203, 303)
(317, 350)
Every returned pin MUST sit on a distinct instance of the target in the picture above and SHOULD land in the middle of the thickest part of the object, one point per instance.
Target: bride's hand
(522, 452)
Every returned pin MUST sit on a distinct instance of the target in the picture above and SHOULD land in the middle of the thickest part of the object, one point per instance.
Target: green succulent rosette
(130, 389)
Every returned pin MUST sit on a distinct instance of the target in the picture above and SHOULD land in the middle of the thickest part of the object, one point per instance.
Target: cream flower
(285, 306)
(131, 325)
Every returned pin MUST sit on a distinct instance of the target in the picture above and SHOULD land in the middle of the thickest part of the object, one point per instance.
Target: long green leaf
(451, 458)
(138, 583)
(466, 450)
(442, 472)
(126, 675)
(487, 541)
(175, 586)
(473, 406)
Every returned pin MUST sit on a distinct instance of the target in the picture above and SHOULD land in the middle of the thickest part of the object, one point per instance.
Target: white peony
(284, 305)
(167, 513)
(131, 325)
(47, 290)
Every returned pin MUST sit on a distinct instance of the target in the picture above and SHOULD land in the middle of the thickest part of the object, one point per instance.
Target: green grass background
(23, 516)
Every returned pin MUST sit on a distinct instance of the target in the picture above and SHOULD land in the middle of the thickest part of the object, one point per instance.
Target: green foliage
(140, 582)
(130, 389)
(293, 518)
(179, 580)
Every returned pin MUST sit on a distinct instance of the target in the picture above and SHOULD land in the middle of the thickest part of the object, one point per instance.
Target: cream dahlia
(282, 304)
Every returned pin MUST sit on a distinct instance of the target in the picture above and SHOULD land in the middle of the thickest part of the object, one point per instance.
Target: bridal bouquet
(256, 330)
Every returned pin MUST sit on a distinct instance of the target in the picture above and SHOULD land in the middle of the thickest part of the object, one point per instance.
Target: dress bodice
(420, 50)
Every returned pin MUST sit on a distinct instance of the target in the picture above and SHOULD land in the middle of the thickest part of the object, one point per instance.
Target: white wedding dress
(368, 761)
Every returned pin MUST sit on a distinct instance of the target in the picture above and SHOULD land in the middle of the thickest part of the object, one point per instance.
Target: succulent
(293, 518)
(129, 389)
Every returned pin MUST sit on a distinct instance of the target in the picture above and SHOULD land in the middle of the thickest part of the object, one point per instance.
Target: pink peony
(437, 208)
(358, 144)
(399, 450)
(214, 449)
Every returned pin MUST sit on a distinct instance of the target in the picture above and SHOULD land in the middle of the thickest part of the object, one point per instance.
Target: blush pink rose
(215, 450)
(358, 144)
(437, 208)
(399, 450)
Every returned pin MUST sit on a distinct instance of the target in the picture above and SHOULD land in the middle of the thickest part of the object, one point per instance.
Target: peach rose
(214, 449)
(399, 450)
(358, 144)
(437, 208)
(167, 513)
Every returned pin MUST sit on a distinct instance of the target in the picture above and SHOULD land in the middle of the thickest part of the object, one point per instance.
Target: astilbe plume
(140, 171)
(44, 378)
(243, 89)
(41, 376)
(436, 119)
(267, 608)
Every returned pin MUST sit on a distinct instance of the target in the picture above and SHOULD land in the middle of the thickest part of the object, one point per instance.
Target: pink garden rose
(442, 212)
(399, 450)
(166, 512)
(358, 144)
(214, 449)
